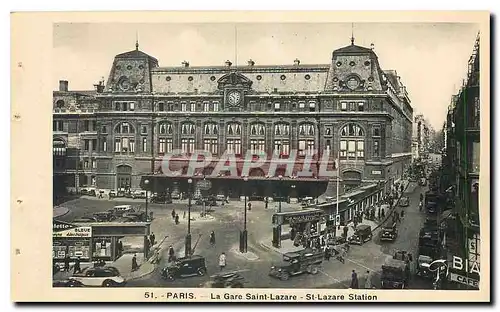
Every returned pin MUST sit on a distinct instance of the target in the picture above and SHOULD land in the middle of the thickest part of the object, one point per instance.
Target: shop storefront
(304, 223)
(93, 241)
(71, 240)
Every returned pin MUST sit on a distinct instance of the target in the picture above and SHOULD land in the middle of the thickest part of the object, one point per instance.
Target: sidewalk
(59, 211)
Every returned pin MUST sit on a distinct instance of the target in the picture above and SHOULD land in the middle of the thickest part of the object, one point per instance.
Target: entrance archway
(123, 177)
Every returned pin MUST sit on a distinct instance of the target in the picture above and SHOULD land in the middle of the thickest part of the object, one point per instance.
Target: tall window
(306, 138)
(215, 106)
(257, 146)
(161, 145)
(58, 125)
(210, 137)
(206, 106)
(124, 138)
(124, 106)
(352, 139)
(187, 145)
(165, 128)
(210, 145)
(257, 129)
(192, 106)
(233, 146)
(376, 139)
(144, 144)
(282, 139)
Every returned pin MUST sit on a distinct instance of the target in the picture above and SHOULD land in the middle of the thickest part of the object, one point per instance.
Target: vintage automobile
(395, 274)
(402, 255)
(185, 267)
(336, 240)
(404, 201)
(66, 283)
(161, 198)
(139, 194)
(106, 276)
(105, 216)
(225, 280)
(295, 263)
(423, 264)
(176, 195)
(389, 232)
(362, 235)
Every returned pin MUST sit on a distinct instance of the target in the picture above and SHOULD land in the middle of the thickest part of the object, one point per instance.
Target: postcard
(250, 157)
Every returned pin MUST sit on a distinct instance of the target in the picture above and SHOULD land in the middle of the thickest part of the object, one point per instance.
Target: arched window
(233, 142)
(124, 138)
(210, 141)
(165, 128)
(281, 139)
(211, 128)
(188, 128)
(352, 141)
(257, 129)
(233, 128)
(306, 139)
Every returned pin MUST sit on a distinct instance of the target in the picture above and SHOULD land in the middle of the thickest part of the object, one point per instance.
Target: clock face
(234, 98)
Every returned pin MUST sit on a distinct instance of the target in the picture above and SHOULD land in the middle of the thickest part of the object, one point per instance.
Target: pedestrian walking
(176, 219)
(402, 213)
(173, 214)
(323, 241)
(171, 254)
(346, 229)
(212, 238)
(327, 254)
(354, 280)
(66, 263)
(77, 268)
(368, 281)
(420, 205)
(382, 213)
(152, 238)
(135, 266)
(184, 215)
(249, 206)
(222, 261)
(379, 211)
(267, 201)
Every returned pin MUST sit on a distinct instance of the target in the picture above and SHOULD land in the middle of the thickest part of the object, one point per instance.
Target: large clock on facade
(352, 82)
(234, 98)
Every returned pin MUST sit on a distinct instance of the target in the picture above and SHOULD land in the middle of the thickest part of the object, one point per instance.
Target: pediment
(234, 79)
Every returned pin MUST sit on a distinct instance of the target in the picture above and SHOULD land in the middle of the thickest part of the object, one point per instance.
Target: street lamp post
(244, 234)
(146, 242)
(146, 183)
(279, 192)
(188, 236)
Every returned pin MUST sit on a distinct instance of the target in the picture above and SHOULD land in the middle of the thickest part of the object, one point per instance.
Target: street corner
(249, 255)
(59, 211)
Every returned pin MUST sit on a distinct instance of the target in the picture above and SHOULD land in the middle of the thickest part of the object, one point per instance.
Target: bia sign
(465, 265)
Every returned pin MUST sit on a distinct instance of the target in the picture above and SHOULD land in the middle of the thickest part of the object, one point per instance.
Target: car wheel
(314, 270)
(107, 283)
(284, 276)
(170, 277)
(201, 271)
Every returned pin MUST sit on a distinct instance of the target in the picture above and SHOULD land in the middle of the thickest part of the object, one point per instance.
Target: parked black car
(389, 232)
(161, 199)
(67, 283)
(225, 280)
(185, 267)
(362, 234)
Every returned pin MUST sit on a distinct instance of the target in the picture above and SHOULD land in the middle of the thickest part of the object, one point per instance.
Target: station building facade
(114, 136)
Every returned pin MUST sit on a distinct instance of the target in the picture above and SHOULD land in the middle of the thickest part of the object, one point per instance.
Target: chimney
(296, 62)
(99, 87)
(251, 62)
(372, 46)
(63, 85)
(185, 64)
(228, 63)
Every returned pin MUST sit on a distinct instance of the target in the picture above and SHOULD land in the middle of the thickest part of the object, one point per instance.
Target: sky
(431, 58)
